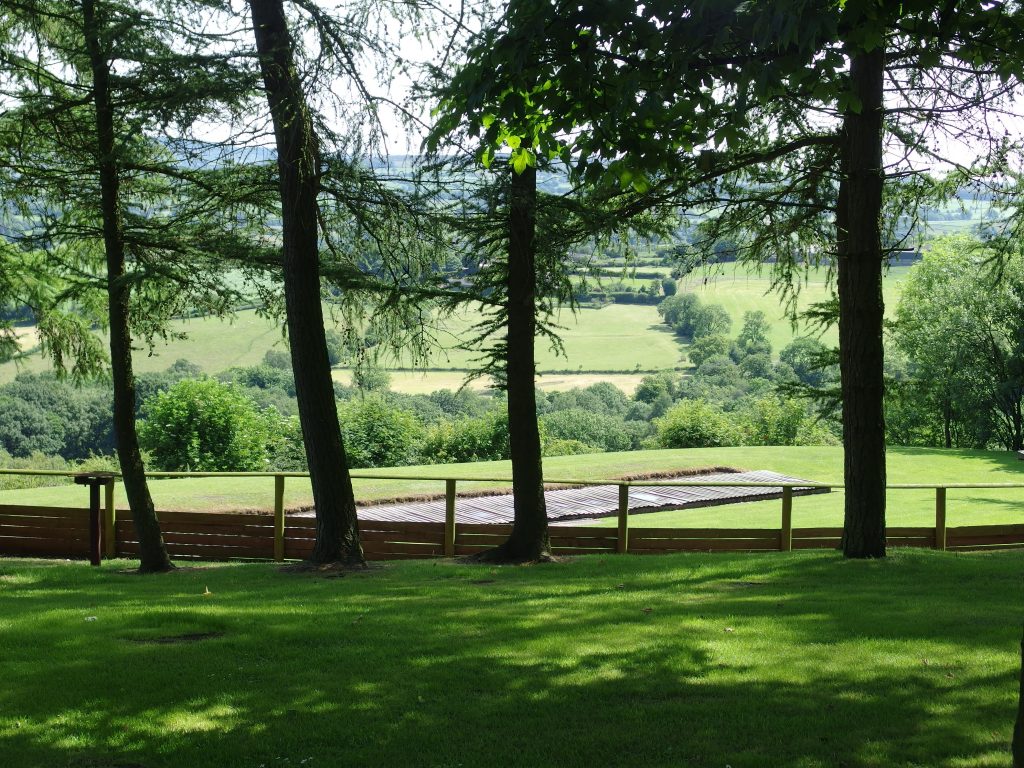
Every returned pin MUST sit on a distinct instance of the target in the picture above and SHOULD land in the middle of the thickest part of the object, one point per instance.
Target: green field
(818, 464)
(620, 339)
(745, 661)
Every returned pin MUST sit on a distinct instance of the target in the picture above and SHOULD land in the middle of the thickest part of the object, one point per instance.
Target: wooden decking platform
(571, 506)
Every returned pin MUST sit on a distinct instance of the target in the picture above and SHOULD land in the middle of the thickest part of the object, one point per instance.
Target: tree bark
(529, 540)
(1018, 727)
(152, 550)
(858, 223)
(298, 160)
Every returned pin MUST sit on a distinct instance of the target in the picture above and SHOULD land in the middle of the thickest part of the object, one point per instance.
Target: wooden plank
(988, 548)
(971, 541)
(704, 533)
(985, 530)
(279, 518)
(816, 543)
(416, 538)
(12, 523)
(449, 517)
(209, 553)
(572, 541)
(709, 545)
(46, 547)
(400, 526)
(466, 549)
(940, 518)
(815, 533)
(908, 541)
(38, 532)
(383, 547)
(126, 529)
(215, 518)
(477, 540)
(398, 556)
(897, 531)
(786, 531)
(75, 513)
(294, 521)
(622, 528)
(583, 530)
(297, 550)
(583, 550)
(256, 542)
(498, 529)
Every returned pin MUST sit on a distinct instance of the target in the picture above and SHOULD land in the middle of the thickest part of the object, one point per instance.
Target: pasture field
(798, 659)
(619, 339)
(815, 463)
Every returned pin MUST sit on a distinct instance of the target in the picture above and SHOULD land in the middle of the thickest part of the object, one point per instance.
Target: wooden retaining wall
(63, 532)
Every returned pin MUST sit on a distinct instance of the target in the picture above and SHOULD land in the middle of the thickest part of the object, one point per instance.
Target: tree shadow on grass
(686, 660)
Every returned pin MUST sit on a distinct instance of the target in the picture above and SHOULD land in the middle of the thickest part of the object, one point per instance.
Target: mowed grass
(682, 660)
(815, 463)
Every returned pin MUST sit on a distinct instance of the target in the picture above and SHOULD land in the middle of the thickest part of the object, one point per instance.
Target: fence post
(786, 535)
(449, 518)
(94, 480)
(940, 518)
(279, 517)
(109, 522)
(622, 544)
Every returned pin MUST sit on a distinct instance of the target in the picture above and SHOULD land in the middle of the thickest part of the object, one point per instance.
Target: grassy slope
(682, 660)
(615, 338)
(821, 464)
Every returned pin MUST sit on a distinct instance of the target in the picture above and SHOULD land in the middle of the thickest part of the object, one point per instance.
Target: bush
(695, 424)
(559, 447)
(465, 440)
(706, 347)
(208, 426)
(604, 433)
(378, 435)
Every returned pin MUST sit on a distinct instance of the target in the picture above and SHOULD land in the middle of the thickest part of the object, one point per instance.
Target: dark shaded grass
(703, 660)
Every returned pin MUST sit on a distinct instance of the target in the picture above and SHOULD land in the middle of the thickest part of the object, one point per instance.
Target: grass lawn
(820, 464)
(682, 660)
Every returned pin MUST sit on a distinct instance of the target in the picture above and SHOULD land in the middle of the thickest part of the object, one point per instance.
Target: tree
(377, 434)
(962, 331)
(753, 337)
(299, 168)
(207, 426)
(104, 185)
(790, 97)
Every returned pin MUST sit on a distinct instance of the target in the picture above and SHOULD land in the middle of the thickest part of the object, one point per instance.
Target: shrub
(559, 447)
(465, 440)
(695, 424)
(378, 435)
(206, 425)
(604, 433)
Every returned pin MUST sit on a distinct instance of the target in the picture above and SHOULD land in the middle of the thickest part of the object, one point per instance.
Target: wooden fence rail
(64, 532)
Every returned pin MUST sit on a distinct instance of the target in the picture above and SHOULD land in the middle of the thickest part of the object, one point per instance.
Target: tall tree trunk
(298, 160)
(152, 551)
(529, 540)
(858, 222)
(1018, 728)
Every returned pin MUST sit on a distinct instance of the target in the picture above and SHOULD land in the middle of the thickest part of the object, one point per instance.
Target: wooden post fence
(786, 535)
(622, 545)
(449, 518)
(940, 518)
(279, 518)
(109, 522)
